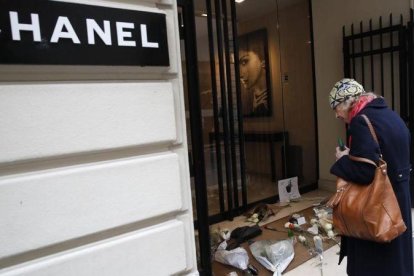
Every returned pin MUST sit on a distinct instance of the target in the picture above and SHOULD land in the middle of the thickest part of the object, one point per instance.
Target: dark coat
(367, 258)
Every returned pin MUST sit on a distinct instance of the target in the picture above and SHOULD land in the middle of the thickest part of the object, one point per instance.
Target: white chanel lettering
(122, 34)
(16, 27)
(144, 38)
(63, 29)
(93, 27)
(58, 33)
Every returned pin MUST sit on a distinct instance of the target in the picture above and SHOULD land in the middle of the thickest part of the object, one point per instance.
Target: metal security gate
(226, 136)
(382, 60)
(410, 90)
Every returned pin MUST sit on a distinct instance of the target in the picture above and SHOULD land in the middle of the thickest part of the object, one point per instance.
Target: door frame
(187, 30)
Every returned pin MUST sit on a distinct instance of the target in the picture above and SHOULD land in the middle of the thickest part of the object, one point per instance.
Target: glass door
(278, 97)
(256, 92)
(249, 99)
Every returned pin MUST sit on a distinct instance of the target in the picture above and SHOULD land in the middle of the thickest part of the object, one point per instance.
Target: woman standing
(349, 100)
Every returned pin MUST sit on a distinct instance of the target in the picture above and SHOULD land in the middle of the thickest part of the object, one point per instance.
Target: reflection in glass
(254, 76)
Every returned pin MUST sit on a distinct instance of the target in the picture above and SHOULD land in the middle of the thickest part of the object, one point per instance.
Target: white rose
(314, 221)
(328, 226)
(331, 234)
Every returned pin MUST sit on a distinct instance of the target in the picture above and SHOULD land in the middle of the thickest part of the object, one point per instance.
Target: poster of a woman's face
(254, 74)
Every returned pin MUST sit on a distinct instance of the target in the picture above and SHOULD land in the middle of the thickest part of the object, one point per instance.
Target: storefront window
(263, 130)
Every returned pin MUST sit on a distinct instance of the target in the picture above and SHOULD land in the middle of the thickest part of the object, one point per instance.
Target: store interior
(284, 41)
(273, 121)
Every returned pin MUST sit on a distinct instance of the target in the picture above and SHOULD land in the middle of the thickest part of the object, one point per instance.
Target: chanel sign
(50, 32)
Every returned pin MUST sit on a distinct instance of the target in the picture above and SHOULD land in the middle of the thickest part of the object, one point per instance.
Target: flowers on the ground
(304, 241)
(292, 226)
(254, 218)
(314, 221)
(328, 226)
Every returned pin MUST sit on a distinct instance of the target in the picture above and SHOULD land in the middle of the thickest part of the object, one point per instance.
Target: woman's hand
(339, 153)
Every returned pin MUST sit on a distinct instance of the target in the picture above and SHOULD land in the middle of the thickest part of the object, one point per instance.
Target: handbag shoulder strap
(374, 135)
(371, 128)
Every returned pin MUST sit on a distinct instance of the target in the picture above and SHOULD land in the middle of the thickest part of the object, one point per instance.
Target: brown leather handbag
(369, 212)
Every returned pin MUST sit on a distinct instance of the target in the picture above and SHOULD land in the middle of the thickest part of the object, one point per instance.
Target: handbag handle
(365, 160)
(374, 135)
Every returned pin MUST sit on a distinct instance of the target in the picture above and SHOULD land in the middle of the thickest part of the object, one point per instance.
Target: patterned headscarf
(343, 90)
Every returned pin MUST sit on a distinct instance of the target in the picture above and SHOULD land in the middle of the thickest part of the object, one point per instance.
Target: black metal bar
(361, 29)
(376, 52)
(411, 93)
(217, 139)
(230, 102)
(284, 154)
(197, 136)
(224, 106)
(381, 58)
(411, 15)
(353, 52)
(180, 25)
(372, 56)
(410, 58)
(374, 32)
(403, 73)
(410, 54)
(345, 49)
(315, 113)
(392, 67)
(239, 103)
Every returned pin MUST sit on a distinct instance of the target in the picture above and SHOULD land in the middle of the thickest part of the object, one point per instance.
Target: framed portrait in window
(256, 93)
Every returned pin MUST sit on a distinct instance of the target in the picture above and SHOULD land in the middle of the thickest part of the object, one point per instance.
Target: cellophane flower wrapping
(237, 257)
(273, 255)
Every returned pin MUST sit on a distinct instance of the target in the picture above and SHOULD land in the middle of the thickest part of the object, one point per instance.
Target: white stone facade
(93, 167)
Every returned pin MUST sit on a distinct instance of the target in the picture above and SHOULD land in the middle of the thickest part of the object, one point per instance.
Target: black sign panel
(49, 32)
